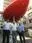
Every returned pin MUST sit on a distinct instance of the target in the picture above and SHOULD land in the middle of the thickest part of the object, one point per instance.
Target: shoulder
(22, 25)
(11, 24)
(4, 22)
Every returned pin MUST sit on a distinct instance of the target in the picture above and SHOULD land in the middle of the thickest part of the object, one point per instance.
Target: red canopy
(17, 9)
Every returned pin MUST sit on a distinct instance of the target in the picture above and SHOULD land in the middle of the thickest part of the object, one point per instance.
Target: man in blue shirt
(6, 30)
(20, 30)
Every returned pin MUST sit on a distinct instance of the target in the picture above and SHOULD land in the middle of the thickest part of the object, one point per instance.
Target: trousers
(6, 33)
(21, 34)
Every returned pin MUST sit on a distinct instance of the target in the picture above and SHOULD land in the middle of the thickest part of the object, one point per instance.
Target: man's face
(13, 22)
(7, 20)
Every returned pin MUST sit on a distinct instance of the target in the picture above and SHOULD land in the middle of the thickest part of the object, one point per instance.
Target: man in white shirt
(14, 32)
(6, 30)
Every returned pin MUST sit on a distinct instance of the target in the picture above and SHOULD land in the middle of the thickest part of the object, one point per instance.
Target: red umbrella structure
(17, 9)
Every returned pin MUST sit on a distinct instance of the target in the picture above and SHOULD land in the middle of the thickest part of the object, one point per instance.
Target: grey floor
(11, 41)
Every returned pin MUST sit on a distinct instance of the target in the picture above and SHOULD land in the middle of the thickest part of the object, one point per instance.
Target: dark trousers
(6, 34)
(14, 35)
(21, 34)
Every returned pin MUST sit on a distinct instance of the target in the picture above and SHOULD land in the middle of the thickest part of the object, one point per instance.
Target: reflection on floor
(28, 40)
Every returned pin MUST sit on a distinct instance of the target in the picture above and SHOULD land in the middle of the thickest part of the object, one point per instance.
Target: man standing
(14, 32)
(6, 31)
(20, 30)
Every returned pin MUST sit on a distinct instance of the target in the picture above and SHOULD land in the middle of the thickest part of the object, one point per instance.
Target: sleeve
(11, 27)
(17, 28)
